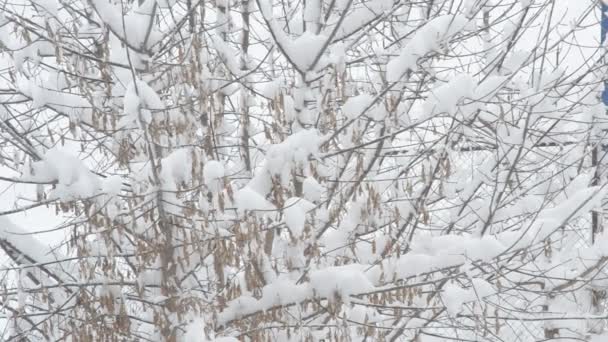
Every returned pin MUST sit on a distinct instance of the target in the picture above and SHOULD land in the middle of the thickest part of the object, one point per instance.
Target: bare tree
(315, 170)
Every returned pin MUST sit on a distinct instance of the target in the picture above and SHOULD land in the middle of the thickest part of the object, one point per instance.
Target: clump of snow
(25, 243)
(295, 214)
(228, 55)
(360, 15)
(247, 199)
(112, 185)
(47, 92)
(74, 179)
(22, 48)
(136, 21)
(27, 250)
(141, 94)
(292, 152)
(174, 168)
(195, 332)
(139, 99)
(454, 296)
(427, 39)
(312, 190)
(304, 49)
(484, 248)
(551, 219)
(213, 172)
(433, 253)
(354, 106)
(446, 97)
(270, 89)
(280, 292)
(340, 280)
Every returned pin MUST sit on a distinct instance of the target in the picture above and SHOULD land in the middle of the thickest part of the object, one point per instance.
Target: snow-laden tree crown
(302, 170)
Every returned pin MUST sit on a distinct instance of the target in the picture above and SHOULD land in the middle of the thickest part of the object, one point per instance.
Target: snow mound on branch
(428, 39)
(295, 214)
(228, 55)
(139, 98)
(304, 49)
(281, 292)
(359, 16)
(134, 27)
(213, 172)
(175, 169)
(446, 97)
(112, 185)
(247, 199)
(449, 97)
(24, 249)
(31, 249)
(46, 92)
(312, 190)
(301, 51)
(429, 254)
(292, 152)
(356, 105)
(551, 219)
(148, 96)
(340, 280)
(195, 332)
(454, 296)
(74, 179)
